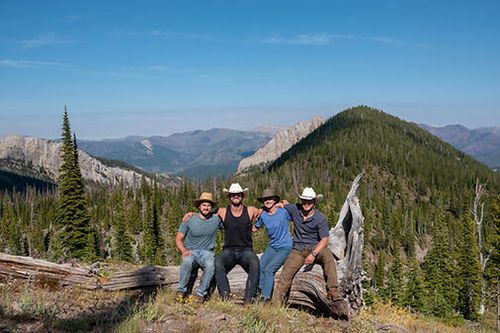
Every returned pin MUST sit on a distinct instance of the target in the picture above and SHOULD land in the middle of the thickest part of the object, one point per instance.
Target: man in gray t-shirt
(196, 240)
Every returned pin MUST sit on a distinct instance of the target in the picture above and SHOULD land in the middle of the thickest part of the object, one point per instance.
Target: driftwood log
(308, 289)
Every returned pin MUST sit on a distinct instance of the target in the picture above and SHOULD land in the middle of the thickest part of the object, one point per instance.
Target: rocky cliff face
(281, 142)
(43, 157)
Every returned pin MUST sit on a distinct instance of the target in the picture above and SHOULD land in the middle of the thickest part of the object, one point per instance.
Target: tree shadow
(107, 318)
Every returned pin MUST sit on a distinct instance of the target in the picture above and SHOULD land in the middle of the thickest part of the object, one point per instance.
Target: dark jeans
(225, 262)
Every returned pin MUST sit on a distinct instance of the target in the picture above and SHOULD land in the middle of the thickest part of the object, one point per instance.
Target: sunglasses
(307, 202)
(236, 195)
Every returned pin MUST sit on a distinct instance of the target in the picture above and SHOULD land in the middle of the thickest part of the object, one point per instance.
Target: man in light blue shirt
(196, 240)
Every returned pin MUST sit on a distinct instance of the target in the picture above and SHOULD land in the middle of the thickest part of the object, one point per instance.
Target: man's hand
(186, 253)
(187, 216)
(282, 203)
(254, 229)
(309, 260)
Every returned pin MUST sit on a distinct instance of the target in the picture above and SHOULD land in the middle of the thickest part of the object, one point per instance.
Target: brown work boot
(197, 298)
(337, 304)
(179, 296)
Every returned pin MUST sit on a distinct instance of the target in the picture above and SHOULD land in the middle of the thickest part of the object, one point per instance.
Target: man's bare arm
(254, 213)
(222, 213)
(187, 216)
(179, 237)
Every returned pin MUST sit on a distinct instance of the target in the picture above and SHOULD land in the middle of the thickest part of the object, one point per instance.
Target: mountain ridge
(213, 152)
(43, 158)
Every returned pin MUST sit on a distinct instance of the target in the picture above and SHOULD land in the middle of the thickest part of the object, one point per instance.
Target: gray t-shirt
(308, 233)
(200, 234)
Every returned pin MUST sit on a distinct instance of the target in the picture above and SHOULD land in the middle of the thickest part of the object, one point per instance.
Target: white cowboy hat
(235, 188)
(309, 194)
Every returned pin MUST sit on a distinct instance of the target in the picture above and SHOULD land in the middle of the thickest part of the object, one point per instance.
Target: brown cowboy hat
(268, 193)
(205, 197)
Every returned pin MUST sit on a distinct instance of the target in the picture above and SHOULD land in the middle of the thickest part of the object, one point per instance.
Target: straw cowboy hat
(205, 197)
(235, 188)
(269, 193)
(309, 194)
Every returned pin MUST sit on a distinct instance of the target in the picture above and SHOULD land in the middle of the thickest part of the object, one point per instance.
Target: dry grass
(42, 306)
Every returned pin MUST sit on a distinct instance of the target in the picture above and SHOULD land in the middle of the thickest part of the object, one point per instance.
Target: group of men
(197, 234)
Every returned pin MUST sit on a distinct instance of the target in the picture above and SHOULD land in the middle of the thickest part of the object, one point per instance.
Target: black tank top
(237, 230)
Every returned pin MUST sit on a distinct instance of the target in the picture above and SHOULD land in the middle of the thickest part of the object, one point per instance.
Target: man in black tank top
(238, 246)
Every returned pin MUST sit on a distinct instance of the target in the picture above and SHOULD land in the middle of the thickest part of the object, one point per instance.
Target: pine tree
(470, 271)
(153, 245)
(379, 274)
(414, 289)
(439, 273)
(395, 277)
(73, 221)
(122, 245)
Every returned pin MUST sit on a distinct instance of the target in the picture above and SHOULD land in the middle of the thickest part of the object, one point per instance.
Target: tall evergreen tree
(153, 243)
(470, 270)
(439, 272)
(414, 289)
(122, 245)
(395, 277)
(379, 274)
(73, 220)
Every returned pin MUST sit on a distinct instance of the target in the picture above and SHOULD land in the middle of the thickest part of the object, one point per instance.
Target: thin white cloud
(29, 63)
(44, 40)
(302, 39)
(395, 42)
(323, 39)
(162, 34)
(159, 68)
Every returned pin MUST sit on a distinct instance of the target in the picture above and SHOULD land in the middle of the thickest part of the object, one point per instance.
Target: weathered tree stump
(308, 288)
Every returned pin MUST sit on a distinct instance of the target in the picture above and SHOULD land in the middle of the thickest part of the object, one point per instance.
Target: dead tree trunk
(308, 288)
(478, 214)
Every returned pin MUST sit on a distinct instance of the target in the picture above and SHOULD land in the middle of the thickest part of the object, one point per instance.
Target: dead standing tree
(478, 214)
(308, 288)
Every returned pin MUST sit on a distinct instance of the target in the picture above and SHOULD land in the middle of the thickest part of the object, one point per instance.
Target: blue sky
(160, 67)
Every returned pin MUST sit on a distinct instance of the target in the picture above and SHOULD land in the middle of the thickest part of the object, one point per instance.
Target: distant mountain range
(35, 158)
(481, 143)
(196, 154)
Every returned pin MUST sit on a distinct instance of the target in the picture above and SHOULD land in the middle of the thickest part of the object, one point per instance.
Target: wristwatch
(314, 254)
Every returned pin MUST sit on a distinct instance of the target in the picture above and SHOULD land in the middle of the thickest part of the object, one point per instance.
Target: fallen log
(308, 288)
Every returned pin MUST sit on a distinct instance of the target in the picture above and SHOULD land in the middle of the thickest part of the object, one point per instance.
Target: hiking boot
(334, 295)
(197, 298)
(337, 304)
(179, 297)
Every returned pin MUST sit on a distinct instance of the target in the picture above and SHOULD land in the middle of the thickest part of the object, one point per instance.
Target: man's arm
(320, 246)
(187, 216)
(179, 237)
(221, 212)
(254, 213)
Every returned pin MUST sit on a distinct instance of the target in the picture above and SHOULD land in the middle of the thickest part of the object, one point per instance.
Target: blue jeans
(225, 262)
(205, 259)
(270, 262)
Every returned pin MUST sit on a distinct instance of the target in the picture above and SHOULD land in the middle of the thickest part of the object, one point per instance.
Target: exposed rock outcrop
(43, 156)
(281, 142)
